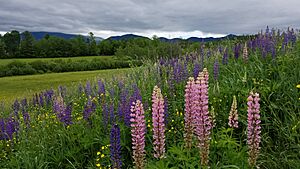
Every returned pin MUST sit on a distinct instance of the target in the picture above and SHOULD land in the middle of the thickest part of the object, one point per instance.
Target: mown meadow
(234, 105)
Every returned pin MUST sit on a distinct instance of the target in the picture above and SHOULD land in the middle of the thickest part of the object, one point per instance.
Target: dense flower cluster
(115, 147)
(254, 128)
(158, 123)
(233, 115)
(138, 130)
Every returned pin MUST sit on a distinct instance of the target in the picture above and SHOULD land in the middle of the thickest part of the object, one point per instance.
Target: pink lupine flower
(158, 123)
(233, 115)
(245, 53)
(254, 128)
(138, 128)
(203, 123)
(188, 116)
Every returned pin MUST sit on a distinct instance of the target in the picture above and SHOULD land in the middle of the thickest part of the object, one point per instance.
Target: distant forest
(23, 45)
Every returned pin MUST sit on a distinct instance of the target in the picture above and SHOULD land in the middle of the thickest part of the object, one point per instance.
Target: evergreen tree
(92, 45)
(27, 45)
(2, 49)
(12, 42)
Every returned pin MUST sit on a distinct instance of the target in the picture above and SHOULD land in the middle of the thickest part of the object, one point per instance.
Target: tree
(12, 42)
(79, 46)
(92, 45)
(27, 45)
(2, 49)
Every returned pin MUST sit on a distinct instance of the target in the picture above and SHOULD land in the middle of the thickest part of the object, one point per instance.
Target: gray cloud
(141, 16)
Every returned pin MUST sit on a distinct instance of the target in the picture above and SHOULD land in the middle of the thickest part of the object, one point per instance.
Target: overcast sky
(169, 18)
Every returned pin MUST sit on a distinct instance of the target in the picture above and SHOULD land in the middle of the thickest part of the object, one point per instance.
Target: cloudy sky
(169, 18)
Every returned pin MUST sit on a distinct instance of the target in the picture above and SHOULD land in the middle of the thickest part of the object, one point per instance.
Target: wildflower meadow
(232, 104)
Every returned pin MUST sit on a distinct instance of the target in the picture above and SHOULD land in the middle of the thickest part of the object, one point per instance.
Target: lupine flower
(88, 89)
(202, 123)
(41, 100)
(254, 128)
(196, 70)
(166, 109)
(89, 108)
(188, 116)
(63, 112)
(2, 129)
(10, 128)
(225, 57)
(115, 147)
(16, 108)
(237, 51)
(212, 115)
(158, 123)
(138, 128)
(233, 115)
(25, 114)
(216, 70)
(245, 53)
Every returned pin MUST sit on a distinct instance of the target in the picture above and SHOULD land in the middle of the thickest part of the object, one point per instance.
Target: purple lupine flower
(123, 103)
(166, 109)
(48, 96)
(138, 131)
(112, 113)
(63, 112)
(2, 129)
(254, 129)
(66, 115)
(203, 124)
(196, 70)
(216, 70)
(88, 89)
(233, 115)
(237, 51)
(10, 128)
(225, 57)
(89, 108)
(16, 108)
(188, 115)
(115, 147)
(41, 100)
(158, 123)
(26, 117)
(101, 88)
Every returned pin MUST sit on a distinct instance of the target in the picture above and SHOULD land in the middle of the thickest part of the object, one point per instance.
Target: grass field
(28, 60)
(21, 86)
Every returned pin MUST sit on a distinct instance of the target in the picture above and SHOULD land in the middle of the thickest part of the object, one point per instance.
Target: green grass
(4, 62)
(22, 86)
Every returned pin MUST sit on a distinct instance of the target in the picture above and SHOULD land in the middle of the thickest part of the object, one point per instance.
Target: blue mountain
(126, 37)
(40, 35)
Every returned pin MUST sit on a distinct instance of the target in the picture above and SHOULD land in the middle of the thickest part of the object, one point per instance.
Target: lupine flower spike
(245, 53)
(254, 128)
(203, 121)
(233, 115)
(138, 129)
(188, 116)
(158, 121)
(115, 147)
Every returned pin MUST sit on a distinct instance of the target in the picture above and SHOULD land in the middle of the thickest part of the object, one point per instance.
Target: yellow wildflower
(98, 153)
(102, 155)
(298, 86)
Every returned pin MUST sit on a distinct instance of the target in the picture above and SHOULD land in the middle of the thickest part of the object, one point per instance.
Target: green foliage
(27, 45)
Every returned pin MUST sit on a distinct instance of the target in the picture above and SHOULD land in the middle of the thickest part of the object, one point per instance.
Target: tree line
(16, 45)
